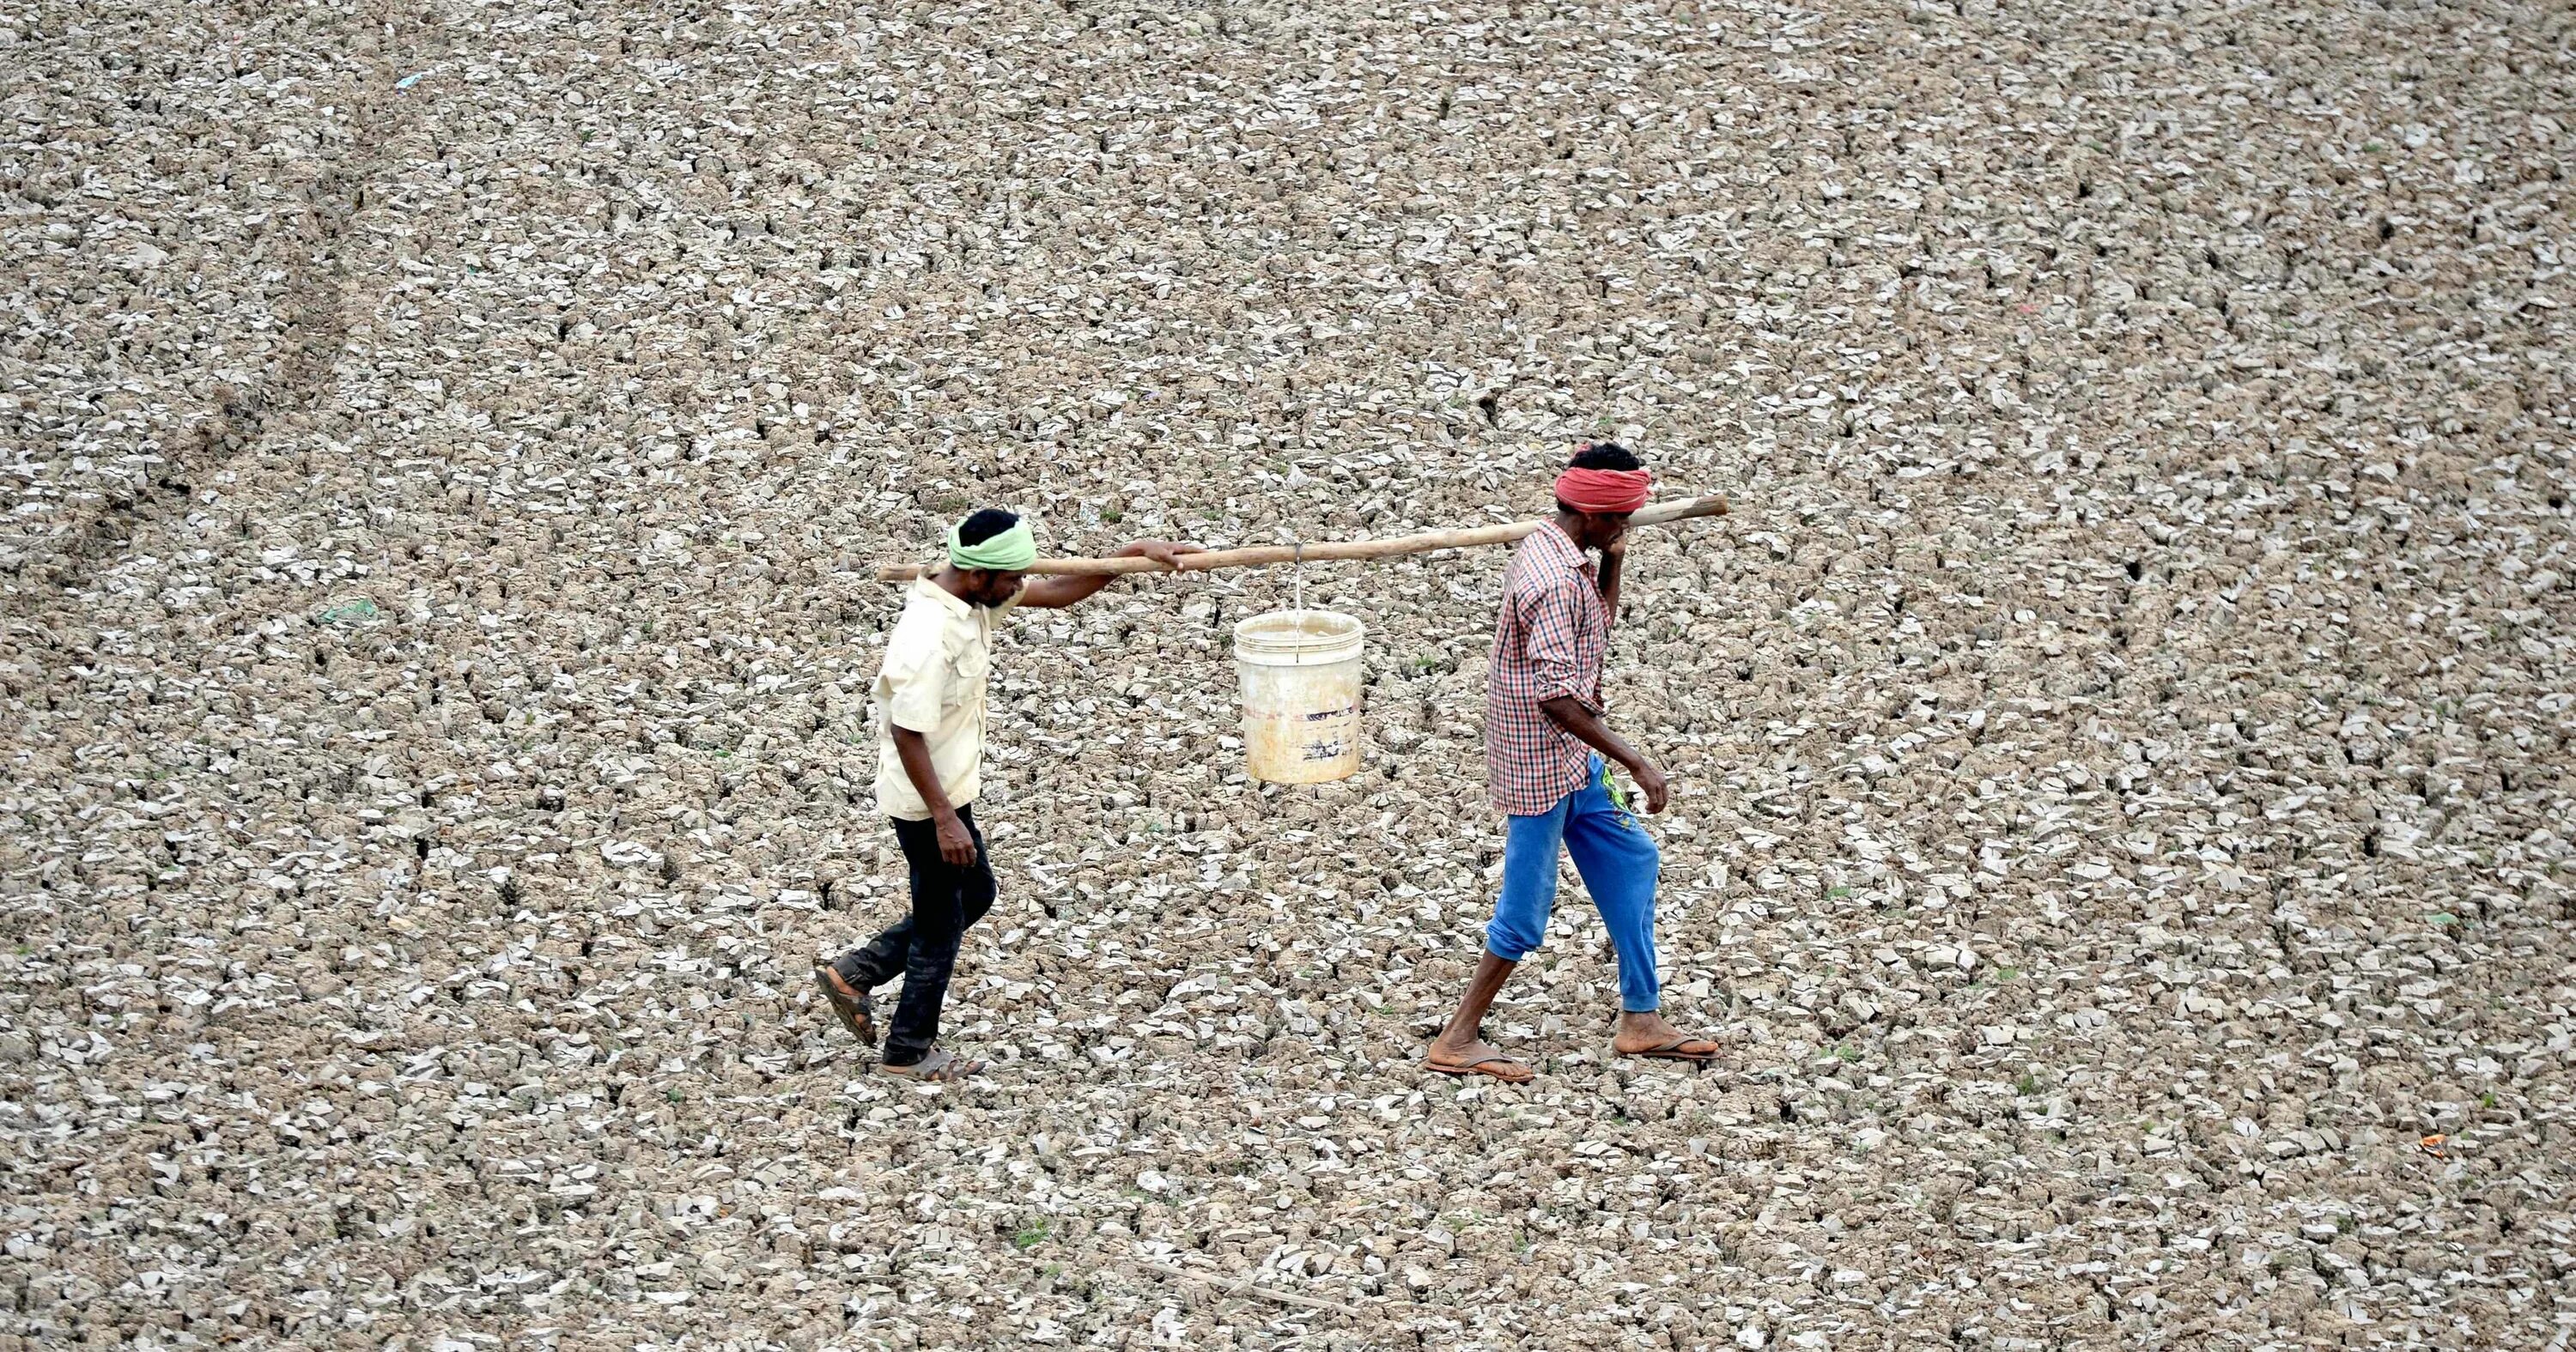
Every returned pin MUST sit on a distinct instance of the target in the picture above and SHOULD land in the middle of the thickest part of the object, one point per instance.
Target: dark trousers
(923, 945)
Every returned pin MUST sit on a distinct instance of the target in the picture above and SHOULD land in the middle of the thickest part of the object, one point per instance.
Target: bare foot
(1476, 1058)
(1649, 1035)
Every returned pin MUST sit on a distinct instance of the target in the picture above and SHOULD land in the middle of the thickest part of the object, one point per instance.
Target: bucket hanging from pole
(1301, 695)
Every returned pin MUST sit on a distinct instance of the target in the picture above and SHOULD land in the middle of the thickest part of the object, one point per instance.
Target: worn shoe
(849, 1002)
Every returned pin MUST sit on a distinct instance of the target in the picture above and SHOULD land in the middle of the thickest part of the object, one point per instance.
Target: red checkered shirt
(1548, 642)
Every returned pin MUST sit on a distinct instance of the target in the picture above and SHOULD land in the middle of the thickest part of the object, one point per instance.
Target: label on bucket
(1307, 747)
(1327, 733)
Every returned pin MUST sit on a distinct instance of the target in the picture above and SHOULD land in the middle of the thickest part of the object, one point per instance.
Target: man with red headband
(1545, 750)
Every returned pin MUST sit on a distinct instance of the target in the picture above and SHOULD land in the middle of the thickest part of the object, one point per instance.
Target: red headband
(1602, 490)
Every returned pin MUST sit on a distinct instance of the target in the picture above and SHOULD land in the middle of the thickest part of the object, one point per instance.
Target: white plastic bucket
(1301, 695)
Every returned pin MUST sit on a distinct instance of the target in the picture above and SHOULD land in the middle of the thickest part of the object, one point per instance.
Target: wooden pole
(1323, 551)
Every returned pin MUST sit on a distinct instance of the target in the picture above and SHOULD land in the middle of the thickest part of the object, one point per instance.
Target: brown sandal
(937, 1068)
(1487, 1064)
(850, 1004)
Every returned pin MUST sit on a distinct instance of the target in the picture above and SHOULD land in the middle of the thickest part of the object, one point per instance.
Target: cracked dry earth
(2122, 834)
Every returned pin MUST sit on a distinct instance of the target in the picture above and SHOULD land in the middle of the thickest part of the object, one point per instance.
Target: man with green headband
(930, 753)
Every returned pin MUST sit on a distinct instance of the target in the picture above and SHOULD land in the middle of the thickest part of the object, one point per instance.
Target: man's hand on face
(956, 843)
(1163, 552)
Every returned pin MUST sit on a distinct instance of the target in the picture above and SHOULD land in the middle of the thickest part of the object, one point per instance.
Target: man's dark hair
(1605, 455)
(984, 525)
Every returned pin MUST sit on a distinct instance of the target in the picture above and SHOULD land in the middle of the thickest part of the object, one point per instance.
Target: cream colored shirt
(936, 662)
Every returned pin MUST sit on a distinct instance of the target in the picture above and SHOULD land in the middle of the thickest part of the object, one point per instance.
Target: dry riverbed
(2121, 735)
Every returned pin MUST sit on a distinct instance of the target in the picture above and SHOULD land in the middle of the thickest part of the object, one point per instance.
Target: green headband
(1011, 551)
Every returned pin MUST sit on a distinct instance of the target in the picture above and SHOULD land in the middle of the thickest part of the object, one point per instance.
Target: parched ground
(2122, 734)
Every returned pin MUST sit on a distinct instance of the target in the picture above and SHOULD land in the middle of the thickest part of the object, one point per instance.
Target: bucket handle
(1297, 571)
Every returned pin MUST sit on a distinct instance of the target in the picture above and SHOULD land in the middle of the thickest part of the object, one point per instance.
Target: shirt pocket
(967, 667)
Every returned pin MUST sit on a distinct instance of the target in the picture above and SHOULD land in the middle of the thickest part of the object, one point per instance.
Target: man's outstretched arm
(1055, 593)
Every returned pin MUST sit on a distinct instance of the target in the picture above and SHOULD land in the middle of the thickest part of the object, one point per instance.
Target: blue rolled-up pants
(1619, 864)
